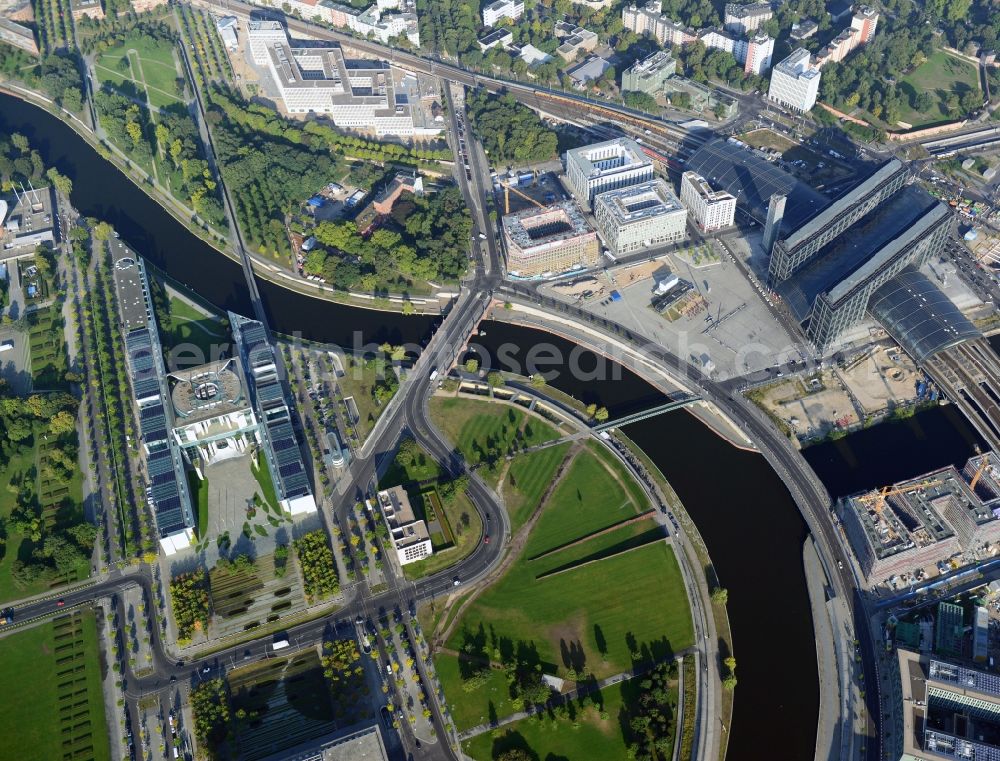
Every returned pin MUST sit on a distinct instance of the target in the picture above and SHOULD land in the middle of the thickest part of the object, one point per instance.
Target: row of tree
(189, 595)
(509, 130)
(319, 572)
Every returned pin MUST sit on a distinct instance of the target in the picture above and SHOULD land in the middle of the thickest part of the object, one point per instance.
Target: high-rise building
(948, 630)
(803, 243)
(639, 217)
(548, 241)
(746, 18)
(794, 81)
(829, 268)
(864, 22)
(502, 9)
(649, 74)
(711, 209)
(759, 49)
(775, 216)
(593, 169)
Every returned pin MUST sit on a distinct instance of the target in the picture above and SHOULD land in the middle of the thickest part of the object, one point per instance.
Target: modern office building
(29, 222)
(795, 250)
(710, 209)
(794, 81)
(166, 480)
(980, 634)
(502, 9)
(593, 169)
(549, 241)
(649, 74)
(918, 523)
(272, 403)
(950, 712)
(373, 21)
(639, 217)
(948, 629)
(409, 535)
(742, 19)
(832, 293)
(362, 95)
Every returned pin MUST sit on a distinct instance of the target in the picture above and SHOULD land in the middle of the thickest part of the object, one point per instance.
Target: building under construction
(924, 521)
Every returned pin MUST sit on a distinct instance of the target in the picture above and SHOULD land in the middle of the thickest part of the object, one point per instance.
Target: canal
(745, 514)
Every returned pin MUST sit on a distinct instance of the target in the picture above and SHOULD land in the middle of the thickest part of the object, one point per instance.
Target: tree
(591, 410)
(729, 683)
(720, 595)
(601, 414)
(102, 231)
(471, 365)
(515, 754)
(495, 379)
(61, 182)
(62, 423)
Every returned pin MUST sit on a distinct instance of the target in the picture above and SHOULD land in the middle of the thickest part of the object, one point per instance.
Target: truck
(434, 373)
(6, 617)
(280, 643)
(6, 345)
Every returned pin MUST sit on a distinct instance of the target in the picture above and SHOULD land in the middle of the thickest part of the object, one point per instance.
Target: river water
(748, 520)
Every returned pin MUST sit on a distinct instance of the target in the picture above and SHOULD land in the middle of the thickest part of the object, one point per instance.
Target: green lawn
(55, 706)
(152, 63)
(467, 534)
(199, 494)
(476, 709)
(422, 468)
(588, 499)
(359, 381)
(584, 737)
(267, 493)
(940, 75)
(527, 479)
(486, 431)
(194, 331)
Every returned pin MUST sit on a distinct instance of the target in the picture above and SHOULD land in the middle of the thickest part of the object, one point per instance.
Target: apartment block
(711, 209)
(742, 19)
(502, 9)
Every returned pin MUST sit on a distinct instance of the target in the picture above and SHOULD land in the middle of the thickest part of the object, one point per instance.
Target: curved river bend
(746, 515)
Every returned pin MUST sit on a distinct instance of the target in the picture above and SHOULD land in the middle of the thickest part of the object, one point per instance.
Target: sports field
(54, 671)
(148, 66)
(940, 75)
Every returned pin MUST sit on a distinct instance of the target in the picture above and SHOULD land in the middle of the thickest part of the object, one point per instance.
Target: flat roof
(132, 307)
(753, 181)
(919, 316)
(589, 158)
(520, 225)
(703, 189)
(208, 391)
(636, 203)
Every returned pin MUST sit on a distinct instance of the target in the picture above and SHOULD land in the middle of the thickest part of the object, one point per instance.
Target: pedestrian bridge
(635, 417)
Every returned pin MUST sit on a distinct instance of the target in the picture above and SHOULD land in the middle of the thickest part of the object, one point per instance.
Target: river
(748, 520)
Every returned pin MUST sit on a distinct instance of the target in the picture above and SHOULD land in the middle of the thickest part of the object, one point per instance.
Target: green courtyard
(55, 671)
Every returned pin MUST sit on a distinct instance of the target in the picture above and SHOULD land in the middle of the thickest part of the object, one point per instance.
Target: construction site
(925, 526)
(879, 383)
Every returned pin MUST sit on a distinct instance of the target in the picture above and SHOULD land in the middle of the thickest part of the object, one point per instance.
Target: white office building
(639, 217)
(593, 169)
(794, 82)
(355, 94)
(501, 9)
(711, 209)
(409, 535)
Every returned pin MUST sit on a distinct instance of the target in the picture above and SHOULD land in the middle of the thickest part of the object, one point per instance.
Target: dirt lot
(886, 375)
(809, 407)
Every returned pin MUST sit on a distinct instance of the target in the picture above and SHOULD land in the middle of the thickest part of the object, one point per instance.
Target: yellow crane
(983, 463)
(506, 198)
(876, 499)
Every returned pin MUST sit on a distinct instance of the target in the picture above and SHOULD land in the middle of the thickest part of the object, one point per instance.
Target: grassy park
(466, 529)
(191, 328)
(142, 64)
(366, 381)
(940, 76)
(484, 432)
(62, 714)
(528, 476)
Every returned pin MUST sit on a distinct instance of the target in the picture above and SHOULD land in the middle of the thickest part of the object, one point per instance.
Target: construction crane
(506, 198)
(983, 464)
(876, 499)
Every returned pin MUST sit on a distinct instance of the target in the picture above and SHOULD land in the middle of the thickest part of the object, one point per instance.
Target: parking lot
(15, 362)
